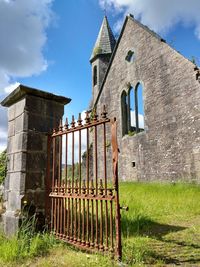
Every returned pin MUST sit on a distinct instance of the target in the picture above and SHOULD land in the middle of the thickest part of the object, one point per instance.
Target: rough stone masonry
(169, 147)
(32, 114)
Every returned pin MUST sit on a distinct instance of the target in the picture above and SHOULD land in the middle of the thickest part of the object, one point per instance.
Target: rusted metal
(85, 208)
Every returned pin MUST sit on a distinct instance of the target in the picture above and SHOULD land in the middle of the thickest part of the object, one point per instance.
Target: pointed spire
(105, 42)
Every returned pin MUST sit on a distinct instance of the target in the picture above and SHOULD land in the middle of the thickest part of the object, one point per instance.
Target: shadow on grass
(173, 260)
(142, 225)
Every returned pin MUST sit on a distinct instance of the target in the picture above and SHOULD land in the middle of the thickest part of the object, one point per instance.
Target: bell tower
(100, 57)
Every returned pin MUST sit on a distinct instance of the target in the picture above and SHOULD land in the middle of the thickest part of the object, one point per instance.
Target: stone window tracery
(132, 110)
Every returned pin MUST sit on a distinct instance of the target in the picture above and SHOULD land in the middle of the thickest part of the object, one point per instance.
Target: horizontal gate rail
(85, 207)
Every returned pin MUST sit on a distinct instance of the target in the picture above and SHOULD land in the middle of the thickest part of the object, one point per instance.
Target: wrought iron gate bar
(85, 212)
(76, 128)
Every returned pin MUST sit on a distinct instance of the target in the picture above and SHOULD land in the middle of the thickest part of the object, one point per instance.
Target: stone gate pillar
(31, 115)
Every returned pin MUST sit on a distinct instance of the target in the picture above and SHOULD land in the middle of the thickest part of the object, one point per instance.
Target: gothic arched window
(124, 113)
(139, 108)
(132, 110)
(94, 75)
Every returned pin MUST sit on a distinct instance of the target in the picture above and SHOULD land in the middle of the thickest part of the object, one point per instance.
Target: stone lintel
(22, 90)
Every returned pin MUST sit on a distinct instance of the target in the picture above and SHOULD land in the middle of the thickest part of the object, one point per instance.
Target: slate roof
(105, 42)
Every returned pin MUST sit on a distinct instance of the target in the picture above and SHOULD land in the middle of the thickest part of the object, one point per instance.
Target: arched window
(124, 113)
(131, 109)
(94, 75)
(139, 108)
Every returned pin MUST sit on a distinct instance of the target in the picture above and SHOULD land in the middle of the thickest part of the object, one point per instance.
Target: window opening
(139, 108)
(130, 57)
(94, 75)
(124, 109)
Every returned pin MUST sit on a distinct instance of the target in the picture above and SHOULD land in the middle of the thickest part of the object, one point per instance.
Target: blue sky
(68, 31)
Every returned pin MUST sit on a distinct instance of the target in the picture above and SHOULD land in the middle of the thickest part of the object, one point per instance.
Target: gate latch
(124, 208)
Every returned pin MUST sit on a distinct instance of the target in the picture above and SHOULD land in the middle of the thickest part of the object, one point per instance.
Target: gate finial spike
(69, 187)
(79, 120)
(73, 122)
(66, 124)
(60, 126)
(84, 187)
(76, 186)
(101, 187)
(92, 187)
(87, 118)
(95, 116)
(104, 113)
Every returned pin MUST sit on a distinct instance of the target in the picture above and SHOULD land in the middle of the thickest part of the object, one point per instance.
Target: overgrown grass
(25, 244)
(159, 216)
(161, 227)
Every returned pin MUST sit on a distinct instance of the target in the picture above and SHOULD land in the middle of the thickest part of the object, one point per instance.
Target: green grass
(162, 224)
(25, 244)
(161, 227)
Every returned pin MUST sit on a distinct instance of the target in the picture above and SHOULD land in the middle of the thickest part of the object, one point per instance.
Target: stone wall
(169, 148)
(32, 114)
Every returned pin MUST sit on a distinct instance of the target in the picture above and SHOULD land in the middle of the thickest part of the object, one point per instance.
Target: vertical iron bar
(64, 221)
(79, 221)
(83, 223)
(101, 226)
(111, 226)
(105, 163)
(68, 219)
(61, 217)
(66, 160)
(60, 163)
(97, 228)
(54, 164)
(58, 217)
(72, 162)
(96, 186)
(106, 224)
(72, 200)
(75, 221)
(88, 171)
(72, 217)
(79, 161)
(116, 190)
(92, 223)
(80, 182)
(95, 151)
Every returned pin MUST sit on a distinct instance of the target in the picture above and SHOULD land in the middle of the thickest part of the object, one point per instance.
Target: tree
(3, 163)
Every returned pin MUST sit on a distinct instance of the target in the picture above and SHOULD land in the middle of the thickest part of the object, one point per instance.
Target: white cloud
(76, 143)
(140, 119)
(159, 15)
(8, 89)
(22, 38)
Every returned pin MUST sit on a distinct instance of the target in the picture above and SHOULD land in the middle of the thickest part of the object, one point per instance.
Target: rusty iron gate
(85, 211)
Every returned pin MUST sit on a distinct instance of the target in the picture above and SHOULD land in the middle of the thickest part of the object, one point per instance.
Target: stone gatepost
(32, 114)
